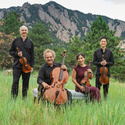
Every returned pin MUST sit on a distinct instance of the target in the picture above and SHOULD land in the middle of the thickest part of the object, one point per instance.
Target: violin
(23, 61)
(57, 93)
(85, 81)
(104, 79)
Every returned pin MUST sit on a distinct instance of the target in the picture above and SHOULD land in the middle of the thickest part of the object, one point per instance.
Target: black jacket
(27, 49)
(108, 56)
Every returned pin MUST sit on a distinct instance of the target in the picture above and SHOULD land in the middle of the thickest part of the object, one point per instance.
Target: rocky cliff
(63, 23)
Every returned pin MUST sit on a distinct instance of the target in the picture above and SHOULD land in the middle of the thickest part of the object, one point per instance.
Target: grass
(25, 112)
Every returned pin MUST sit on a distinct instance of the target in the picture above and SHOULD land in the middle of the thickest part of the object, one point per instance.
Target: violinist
(26, 48)
(78, 74)
(44, 80)
(99, 62)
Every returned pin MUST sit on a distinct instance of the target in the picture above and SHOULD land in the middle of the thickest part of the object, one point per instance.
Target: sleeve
(95, 62)
(12, 50)
(40, 78)
(58, 64)
(111, 60)
(75, 68)
(32, 55)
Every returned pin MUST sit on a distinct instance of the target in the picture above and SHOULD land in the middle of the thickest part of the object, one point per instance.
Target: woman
(78, 75)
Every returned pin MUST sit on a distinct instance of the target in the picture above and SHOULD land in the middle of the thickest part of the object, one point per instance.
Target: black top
(108, 56)
(27, 49)
(44, 73)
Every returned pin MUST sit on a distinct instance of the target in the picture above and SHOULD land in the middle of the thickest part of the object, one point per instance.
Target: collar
(49, 65)
(22, 38)
(102, 50)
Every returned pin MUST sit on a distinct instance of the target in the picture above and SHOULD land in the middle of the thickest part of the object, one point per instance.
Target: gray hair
(49, 50)
(22, 27)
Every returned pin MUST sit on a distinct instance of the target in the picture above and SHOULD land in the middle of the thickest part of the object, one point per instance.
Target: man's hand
(31, 69)
(63, 67)
(103, 62)
(45, 85)
(20, 54)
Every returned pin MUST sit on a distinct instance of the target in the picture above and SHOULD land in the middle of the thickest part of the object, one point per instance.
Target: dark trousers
(25, 82)
(105, 87)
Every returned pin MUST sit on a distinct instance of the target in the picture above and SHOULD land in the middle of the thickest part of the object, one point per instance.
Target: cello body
(57, 93)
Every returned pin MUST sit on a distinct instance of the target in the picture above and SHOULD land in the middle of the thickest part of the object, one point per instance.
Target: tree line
(42, 39)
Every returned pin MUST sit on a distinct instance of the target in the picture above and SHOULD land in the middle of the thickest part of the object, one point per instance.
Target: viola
(57, 93)
(104, 79)
(23, 61)
(85, 81)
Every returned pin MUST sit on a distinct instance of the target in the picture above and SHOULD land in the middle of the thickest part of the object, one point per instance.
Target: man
(107, 62)
(44, 79)
(26, 48)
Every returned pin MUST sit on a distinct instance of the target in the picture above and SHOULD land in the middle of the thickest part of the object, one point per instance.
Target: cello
(85, 81)
(104, 79)
(57, 93)
(23, 61)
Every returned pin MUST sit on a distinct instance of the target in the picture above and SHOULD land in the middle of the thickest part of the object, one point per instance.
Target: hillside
(63, 23)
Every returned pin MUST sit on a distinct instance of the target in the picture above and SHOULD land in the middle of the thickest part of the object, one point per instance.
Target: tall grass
(26, 112)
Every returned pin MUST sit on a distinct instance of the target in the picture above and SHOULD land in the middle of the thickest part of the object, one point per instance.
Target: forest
(43, 39)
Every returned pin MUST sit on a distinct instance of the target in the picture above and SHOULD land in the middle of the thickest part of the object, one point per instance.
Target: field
(26, 112)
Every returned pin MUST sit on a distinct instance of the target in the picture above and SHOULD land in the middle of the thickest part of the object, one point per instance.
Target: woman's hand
(89, 70)
(91, 74)
(82, 88)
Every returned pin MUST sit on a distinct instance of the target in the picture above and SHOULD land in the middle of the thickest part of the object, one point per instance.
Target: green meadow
(26, 112)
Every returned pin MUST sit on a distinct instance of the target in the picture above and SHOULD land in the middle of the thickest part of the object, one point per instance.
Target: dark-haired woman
(78, 75)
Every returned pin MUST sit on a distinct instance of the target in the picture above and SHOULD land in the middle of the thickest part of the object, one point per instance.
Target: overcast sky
(114, 9)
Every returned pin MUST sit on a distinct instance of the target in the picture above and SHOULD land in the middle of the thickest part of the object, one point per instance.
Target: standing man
(26, 49)
(44, 79)
(107, 62)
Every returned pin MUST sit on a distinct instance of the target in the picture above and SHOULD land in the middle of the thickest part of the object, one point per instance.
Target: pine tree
(98, 29)
(12, 23)
(41, 38)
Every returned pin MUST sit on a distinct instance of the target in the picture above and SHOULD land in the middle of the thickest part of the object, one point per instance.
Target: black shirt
(44, 73)
(27, 49)
(108, 56)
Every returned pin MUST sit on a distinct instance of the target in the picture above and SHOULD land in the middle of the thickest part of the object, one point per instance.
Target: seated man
(44, 79)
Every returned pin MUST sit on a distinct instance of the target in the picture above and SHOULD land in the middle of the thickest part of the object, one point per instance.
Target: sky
(114, 9)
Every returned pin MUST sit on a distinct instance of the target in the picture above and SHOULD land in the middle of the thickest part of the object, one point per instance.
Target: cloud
(116, 1)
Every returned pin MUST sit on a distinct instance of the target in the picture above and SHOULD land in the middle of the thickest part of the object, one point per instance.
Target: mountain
(63, 23)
